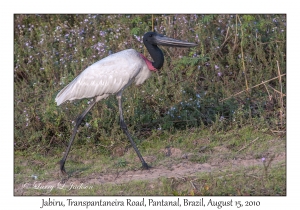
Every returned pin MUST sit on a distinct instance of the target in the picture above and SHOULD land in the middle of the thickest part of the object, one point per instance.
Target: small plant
(267, 163)
(121, 163)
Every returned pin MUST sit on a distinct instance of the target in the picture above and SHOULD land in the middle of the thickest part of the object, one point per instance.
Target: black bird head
(152, 39)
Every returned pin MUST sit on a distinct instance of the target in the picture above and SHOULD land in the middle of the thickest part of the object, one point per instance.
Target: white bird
(112, 75)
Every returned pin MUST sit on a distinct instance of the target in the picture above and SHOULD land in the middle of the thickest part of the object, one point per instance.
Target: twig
(256, 177)
(235, 37)
(243, 61)
(276, 90)
(244, 147)
(51, 141)
(193, 185)
(251, 87)
(226, 38)
(281, 100)
(273, 131)
(263, 43)
(270, 97)
(152, 22)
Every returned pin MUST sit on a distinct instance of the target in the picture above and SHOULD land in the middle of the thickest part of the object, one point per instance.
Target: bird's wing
(107, 76)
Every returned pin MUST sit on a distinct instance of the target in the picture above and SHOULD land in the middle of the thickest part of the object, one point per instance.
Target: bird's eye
(150, 35)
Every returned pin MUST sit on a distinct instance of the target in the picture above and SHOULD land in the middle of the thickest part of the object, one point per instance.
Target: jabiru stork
(112, 75)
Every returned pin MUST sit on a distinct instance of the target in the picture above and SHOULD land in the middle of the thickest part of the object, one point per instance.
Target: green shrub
(195, 87)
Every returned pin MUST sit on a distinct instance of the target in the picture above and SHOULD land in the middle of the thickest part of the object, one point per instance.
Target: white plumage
(107, 76)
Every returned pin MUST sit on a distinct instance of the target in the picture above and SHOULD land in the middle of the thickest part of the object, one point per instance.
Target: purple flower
(102, 33)
(263, 159)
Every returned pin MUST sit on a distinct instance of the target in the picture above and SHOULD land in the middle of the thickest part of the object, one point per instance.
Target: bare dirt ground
(168, 169)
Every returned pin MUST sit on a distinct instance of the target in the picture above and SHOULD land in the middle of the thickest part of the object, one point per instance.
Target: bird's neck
(149, 63)
(156, 54)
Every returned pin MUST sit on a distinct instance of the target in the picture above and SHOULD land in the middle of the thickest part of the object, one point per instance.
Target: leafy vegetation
(234, 79)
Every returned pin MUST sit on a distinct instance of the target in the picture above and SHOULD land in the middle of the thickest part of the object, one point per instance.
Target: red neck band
(149, 63)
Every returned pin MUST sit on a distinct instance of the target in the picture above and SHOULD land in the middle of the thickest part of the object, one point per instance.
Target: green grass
(195, 109)
(86, 164)
(251, 181)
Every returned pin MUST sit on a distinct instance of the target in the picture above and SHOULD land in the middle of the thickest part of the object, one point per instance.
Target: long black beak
(167, 41)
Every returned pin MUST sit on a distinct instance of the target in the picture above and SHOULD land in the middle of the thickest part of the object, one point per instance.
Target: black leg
(78, 121)
(124, 128)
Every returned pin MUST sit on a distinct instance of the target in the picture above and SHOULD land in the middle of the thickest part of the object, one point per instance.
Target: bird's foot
(145, 166)
(63, 171)
(62, 167)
